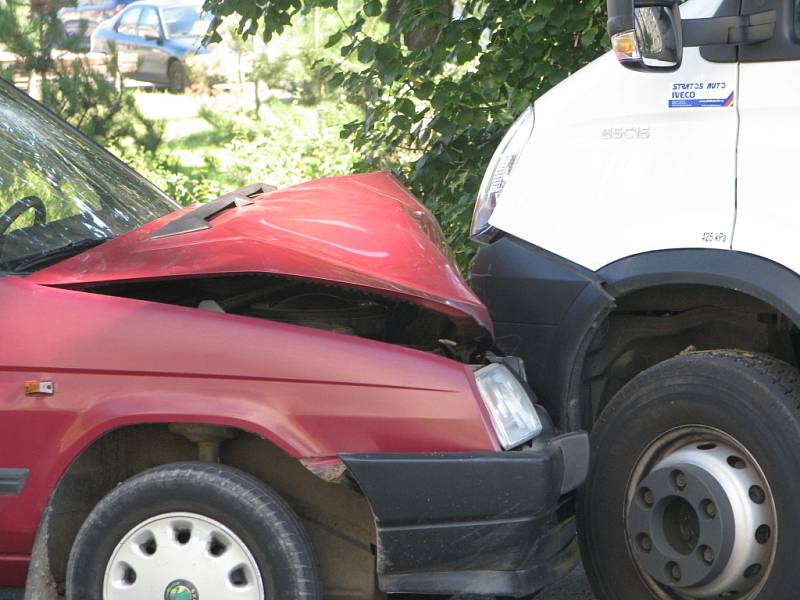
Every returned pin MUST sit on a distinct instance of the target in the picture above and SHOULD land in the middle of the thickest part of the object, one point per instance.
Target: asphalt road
(573, 587)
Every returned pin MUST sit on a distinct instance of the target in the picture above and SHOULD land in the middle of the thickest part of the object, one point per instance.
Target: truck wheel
(693, 487)
(176, 77)
(188, 531)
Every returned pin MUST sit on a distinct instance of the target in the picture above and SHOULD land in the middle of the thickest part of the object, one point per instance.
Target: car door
(768, 212)
(153, 57)
(126, 40)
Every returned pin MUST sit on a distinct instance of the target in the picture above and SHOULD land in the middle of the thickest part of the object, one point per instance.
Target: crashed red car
(279, 394)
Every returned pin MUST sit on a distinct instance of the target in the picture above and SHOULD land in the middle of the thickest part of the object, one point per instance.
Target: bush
(184, 186)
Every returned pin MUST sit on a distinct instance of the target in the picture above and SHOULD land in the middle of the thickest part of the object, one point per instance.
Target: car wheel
(188, 531)
(176, 77)
(693, 486)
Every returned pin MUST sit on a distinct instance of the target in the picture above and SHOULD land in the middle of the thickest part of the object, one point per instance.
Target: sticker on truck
(701, 95)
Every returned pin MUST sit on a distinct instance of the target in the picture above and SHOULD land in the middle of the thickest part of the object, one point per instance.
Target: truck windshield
(60, 192)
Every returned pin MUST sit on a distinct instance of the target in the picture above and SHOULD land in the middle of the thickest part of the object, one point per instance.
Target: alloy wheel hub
(702, 521)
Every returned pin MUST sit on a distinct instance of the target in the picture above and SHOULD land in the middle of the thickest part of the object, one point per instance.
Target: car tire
(189, 530)
(716, 435)
(176, 77)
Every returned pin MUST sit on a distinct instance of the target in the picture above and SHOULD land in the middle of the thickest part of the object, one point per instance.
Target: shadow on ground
(573, 587)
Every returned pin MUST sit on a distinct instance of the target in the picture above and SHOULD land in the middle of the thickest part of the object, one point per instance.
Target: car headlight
(500, 168)
(514, 417)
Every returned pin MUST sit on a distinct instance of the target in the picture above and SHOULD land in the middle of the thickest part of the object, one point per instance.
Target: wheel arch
(750, 274)
(121, 452)
(738, 276)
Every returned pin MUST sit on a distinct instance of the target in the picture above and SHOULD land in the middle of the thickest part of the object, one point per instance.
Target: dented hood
(364, 231)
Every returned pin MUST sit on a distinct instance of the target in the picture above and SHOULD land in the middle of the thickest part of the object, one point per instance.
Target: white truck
(641, 253)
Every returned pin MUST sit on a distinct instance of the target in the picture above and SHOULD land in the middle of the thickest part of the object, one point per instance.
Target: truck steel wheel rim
(182, 556)
(700, 517)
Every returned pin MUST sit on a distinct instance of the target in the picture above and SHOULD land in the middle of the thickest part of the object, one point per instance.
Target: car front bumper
(480, 523)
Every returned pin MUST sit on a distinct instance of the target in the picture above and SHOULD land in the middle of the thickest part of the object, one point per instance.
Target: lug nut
(680, 480)
(708, 555)
(646, 543)
(675, 572)
(710, 508)
(647, 497)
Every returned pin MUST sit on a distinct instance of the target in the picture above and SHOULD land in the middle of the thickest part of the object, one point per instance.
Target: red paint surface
(13, 570)
(366, 231)
(117, 362)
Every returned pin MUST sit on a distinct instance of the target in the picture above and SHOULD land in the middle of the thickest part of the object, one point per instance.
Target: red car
(279, 394)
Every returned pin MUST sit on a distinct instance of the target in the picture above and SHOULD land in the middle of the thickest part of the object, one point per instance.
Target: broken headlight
(513, 415)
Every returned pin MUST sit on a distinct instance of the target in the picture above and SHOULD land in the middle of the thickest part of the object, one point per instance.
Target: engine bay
(306, 303)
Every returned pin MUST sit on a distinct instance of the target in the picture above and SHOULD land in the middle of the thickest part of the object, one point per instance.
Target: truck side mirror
(646, 34)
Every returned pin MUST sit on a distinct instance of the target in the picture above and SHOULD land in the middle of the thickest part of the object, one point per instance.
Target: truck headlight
(500, 168)
(513, 415)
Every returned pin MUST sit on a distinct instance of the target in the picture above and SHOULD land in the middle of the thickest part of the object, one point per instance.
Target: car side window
(129, 22)
(149, 24)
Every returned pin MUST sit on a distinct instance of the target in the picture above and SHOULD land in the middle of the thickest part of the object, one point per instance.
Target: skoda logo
(180, 589)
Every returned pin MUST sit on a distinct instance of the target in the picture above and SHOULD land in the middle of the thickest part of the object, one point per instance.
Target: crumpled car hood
(365, 231)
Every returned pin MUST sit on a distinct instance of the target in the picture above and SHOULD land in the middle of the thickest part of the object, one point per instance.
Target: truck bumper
(479, 523)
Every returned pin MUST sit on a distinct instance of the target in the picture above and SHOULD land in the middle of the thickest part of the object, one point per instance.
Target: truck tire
(192, 530)
(693, 487)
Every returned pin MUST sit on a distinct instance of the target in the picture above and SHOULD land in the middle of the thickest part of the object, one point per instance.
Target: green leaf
(334, 39)
(406, 106)
(373, 8)
(425, 89)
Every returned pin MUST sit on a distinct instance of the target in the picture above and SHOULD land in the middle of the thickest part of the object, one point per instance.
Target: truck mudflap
(481, 523)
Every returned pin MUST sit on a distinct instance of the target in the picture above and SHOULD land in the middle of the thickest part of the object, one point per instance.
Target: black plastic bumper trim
(559, 547)
(482, 522)
(575, 451)
(12, 481)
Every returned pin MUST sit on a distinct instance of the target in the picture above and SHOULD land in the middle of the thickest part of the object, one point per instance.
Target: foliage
(440, 91)
(225, 148)
(165, 171)
(291, 144)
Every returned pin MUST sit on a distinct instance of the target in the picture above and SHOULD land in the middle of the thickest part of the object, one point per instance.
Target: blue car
(153, 38)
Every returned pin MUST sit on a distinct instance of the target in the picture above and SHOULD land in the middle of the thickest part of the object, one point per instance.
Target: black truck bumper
(478, 523)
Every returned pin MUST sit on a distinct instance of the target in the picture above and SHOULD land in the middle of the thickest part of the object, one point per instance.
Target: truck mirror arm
(748, 29)
(620, 16)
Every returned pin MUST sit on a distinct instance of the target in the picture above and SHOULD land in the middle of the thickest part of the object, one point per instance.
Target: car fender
(115, 362)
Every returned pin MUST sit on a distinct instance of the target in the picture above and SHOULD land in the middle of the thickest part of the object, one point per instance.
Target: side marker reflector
(39, 388)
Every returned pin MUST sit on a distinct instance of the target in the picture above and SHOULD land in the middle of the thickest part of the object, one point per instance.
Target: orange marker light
(39, 388)
(625, 46)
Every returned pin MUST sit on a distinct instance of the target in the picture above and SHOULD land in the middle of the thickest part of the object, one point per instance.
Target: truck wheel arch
(739, 275)
(554, 312)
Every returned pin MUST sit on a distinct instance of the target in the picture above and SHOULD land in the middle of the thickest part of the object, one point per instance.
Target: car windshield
(58, 190)
(186, 21)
